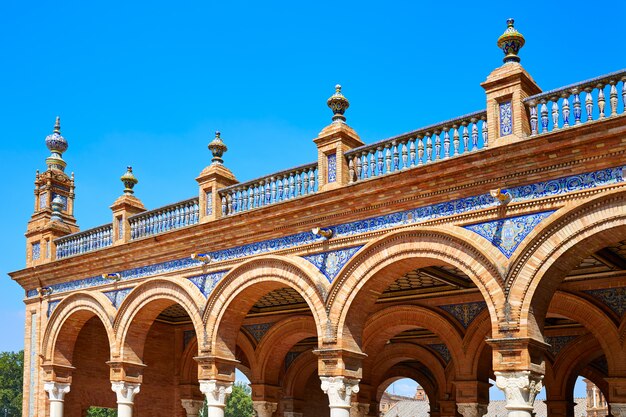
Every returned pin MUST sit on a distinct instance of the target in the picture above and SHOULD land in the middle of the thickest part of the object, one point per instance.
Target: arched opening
(403, 397)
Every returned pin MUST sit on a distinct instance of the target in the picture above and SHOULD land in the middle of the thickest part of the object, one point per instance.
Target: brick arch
(399, 372)
(188, 365)
(246, 283)
(474, 345)
(67, 320)
(298, 374)
(396, 353)
(386, 323)
(553, 249)
(594, 320)
(361, 279)
(281, 337)
(142, 306)
(247, 348)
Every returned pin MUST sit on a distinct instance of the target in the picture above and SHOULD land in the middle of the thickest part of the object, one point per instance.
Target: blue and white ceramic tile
(557, 343)
(614, 298)
(332, 167)
(442, 350)
(117, 296)
(43, 199)
(258, 330)
(36, 251)
(207, 282)
(209, 203)
(52, 305)
(465, 313)
(290, 357)
(63, 199)
(506, 234)
(506, 119)
(330, 263)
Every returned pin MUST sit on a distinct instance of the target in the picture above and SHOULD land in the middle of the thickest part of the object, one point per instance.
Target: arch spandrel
(261, 274)
(554, 248)
(419, 246)
(83, 304)
(167, 291)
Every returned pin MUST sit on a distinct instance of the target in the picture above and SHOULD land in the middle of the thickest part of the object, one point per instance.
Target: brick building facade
(491, 245)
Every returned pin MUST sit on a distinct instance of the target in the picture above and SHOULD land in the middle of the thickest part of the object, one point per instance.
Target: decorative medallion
(207, 282)
(465, 313)
(117, 296)
(557, 343)
(332, 167)
(614, 298)
(507, 234)
(442, 350)
(330, 263)
(258, 330)
(506, 119)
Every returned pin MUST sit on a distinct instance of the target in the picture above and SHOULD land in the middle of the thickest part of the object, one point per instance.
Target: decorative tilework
(332, 167)
(32, 380)
(506, 119)
(48, 249)
(413, 216)
(63, 199)
(507, 234)
(442, 350)
(614, 298)
(207, 282)
(557, 343)
(209, 203)
(117, 296)
(290, 357)
(52, 305)
(466, 312)
(120, 228)
(188, 336)
(258, 330)
(36, 251)
(330, 263)
(43, 199)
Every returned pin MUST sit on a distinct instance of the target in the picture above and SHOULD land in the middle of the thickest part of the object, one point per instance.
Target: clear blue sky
(147, 84)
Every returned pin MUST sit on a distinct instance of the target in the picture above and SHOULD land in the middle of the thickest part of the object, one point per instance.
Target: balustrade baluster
(576, 105)
(379, 158)
(613, 97)
(465, 138)
(279, 190)
(372, 164)
(298, 184)
(474, 134)
(405, 155)
(292, 186)
(420, 145)
(565, 106)
(239, 200)
(555, 113)
(229, 203)
(446, 142)
(387, 160)
(357, 158)
(623, 94)
(455, 140)
(485, 132)
(351, 171)
(544, 116)
(224, 206)
(273, 190)
(396, 156)
(311, 181)
(601, 101)
(437, 145)
(268, 194)
(533, 118)
(250, 204)
(589, 104)
(429, 147)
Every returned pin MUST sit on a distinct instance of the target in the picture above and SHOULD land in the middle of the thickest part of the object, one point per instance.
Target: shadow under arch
(400, 251)
(248, 282)
(144, 304)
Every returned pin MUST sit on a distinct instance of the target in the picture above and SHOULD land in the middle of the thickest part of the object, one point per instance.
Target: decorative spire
(57, 145)
(57, 206)
(129, 180)
(511, 41)
(217, 148)
(338, 104)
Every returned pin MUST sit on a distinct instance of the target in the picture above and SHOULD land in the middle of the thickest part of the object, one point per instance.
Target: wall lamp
(113, 277)
(202, 257)
(503, 196)
(45, 291)
(325, 233)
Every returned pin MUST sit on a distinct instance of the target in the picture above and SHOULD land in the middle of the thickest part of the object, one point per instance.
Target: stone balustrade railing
(164, 219)
(423, 146)
(281, 186)
(85, 241)
(589, 100)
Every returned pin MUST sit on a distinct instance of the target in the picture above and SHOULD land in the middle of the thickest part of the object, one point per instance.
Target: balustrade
(86, 241)
(174, 216)
(427, 145)
(282, 186)
(577, 103)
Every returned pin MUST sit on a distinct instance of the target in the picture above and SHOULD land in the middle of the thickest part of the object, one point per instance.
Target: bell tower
(53, 214)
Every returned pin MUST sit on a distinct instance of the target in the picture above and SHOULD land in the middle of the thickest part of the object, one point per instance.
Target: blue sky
(147, 84)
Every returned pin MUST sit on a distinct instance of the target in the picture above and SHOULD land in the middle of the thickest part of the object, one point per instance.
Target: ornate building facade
(491, 245)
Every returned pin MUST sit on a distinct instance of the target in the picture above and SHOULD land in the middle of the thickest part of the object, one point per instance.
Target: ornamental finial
(129, 180)
(511, 41)
(57, 145)
(217, 148)
(338, 104)
(57, 206)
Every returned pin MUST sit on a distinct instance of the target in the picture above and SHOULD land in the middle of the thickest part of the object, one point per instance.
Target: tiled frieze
(506, 234)
(557, 343)
(258, 330)
(388, 221)
(442, 350)
(506, 119)
(465, 313)
(332, 167)
(207, 282)
(614, 298)
(330, 263)
(52, 305)
(116, 297)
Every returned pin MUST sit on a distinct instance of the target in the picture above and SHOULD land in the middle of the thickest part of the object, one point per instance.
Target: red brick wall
(316, 402)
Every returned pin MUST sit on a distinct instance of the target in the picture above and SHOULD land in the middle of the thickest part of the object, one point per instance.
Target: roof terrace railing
(433, 143)
(565, 107)
(161, 220)
(85, 241)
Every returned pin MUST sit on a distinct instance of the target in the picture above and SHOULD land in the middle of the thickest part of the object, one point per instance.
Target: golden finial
(129, 180)
(511, 41)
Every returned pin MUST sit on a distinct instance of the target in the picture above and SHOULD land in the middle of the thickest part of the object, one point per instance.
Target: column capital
(618, 409)
(520, 388)
(264, 408)
(125, 391)
(358, 409)
(192, 407)
(472, 409)
(56, 390)
(216, 392)
(339, 390)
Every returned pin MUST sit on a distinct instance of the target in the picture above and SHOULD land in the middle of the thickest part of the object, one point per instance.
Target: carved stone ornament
(125, 391)
(472, 409)
(264, 408)
(56, 390)
(520, 388)
(339, 390)
(216, 392)
(192, 407)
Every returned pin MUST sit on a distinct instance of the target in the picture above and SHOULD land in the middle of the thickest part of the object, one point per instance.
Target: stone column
(192, 407)
(339, 390)
(125, 392)
(520, 389)
(264, 408)
(472, 409)
(216, 393)
(358, 409)
(56, 393)
(618, 409)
